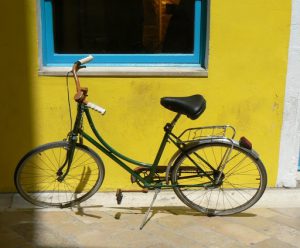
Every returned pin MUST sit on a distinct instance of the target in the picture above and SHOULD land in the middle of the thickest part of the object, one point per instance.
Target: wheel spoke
(241, 184)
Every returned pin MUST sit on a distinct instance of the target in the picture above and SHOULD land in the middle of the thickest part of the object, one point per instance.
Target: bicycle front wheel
(203, 185)
(37, 175)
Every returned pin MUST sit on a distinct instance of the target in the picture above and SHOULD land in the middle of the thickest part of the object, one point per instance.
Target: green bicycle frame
(118, 157)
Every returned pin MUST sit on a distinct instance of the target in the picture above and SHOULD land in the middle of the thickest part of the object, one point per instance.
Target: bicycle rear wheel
(241, 184)
(36, 175)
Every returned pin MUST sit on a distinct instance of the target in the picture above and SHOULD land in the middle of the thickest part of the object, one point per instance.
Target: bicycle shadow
(81, 211)
(172, 210)
(155, 212)
(85, 176)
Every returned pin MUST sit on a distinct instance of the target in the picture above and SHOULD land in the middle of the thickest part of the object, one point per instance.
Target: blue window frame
(195, 58)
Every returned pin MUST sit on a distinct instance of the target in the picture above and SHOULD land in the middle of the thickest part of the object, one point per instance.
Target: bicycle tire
(244, 178)
(36, 177)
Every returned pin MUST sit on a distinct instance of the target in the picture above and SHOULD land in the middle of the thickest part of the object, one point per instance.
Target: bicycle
(210, 172)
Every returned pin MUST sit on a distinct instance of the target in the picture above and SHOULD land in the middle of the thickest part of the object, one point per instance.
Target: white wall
(290, 135)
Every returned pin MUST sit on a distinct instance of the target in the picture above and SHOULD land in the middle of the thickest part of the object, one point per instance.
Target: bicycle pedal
(119, 196)
(119, 193)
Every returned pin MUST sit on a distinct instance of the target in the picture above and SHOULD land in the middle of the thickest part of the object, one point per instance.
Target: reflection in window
(123, 26)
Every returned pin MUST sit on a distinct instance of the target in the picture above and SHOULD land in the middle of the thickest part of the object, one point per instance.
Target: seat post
(168, 129)
(169, 126)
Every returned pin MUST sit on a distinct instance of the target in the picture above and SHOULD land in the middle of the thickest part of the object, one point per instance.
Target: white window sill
(151, 71)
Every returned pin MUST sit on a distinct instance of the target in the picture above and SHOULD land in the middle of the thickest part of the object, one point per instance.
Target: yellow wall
(245, 87)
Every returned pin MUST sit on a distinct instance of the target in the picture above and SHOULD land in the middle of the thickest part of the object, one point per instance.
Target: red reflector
(244, 142)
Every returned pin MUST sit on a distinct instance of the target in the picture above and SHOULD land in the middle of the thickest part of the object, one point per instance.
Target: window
(124, 32)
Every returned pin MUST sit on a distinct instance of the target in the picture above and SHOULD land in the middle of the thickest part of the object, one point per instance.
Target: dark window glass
(123, 26)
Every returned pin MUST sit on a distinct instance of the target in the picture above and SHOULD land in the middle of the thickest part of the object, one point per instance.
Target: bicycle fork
(72, 140)
(68, 161)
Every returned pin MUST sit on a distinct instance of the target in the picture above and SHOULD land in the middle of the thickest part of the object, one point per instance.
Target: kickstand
(145, 220)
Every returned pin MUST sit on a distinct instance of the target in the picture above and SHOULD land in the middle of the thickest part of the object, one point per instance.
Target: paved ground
(170, 226)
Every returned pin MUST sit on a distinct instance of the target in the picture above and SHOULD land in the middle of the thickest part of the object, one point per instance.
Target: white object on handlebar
(86, 59)
(96, 108)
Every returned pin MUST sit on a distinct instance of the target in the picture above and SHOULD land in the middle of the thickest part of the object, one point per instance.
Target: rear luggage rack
(208, 132)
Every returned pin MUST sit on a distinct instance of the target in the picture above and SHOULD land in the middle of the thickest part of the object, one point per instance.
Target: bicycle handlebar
(81, 93)
(85, 60)
(96, 108)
